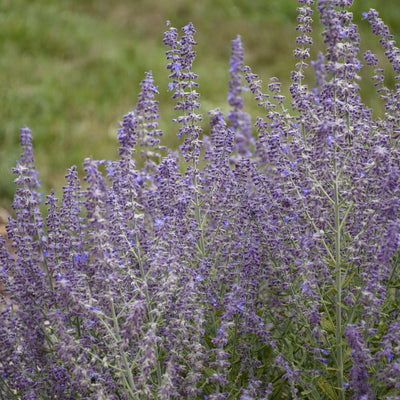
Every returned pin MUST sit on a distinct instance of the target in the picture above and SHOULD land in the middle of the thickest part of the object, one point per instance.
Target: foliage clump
(259, 262)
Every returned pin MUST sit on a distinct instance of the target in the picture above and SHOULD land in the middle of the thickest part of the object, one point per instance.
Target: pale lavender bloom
(361, 357)
(213, 279)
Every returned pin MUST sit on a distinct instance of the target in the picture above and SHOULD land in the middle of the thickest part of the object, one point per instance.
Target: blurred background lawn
(70, 69)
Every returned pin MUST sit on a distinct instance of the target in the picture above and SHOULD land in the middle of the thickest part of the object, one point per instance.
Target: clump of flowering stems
(259, 262)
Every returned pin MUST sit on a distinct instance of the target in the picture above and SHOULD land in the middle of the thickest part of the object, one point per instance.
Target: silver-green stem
(339, 331)
(201, 244)
(148, 300)
(131, 382)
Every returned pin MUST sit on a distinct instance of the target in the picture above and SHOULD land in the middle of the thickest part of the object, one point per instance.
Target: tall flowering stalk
(183, 84)
(181, 57)
(240, 120)
(259, 262)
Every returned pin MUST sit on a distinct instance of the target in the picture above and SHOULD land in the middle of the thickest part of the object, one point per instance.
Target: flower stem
(338, 300)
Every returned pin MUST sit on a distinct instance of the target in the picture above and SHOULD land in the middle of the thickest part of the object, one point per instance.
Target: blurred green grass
(70, 69)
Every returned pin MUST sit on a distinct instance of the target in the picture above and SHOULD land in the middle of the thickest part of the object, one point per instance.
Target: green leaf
(327, 325)
(327, 389)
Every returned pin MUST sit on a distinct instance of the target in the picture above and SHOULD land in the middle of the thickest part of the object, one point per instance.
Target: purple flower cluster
(259, 262)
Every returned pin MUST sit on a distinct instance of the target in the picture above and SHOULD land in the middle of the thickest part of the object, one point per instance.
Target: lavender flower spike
(240, 120)
(181, 57)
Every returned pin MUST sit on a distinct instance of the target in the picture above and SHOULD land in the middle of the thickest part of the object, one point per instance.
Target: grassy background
(70, 69)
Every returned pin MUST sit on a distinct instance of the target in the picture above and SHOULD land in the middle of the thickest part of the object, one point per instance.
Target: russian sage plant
(259, 262)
